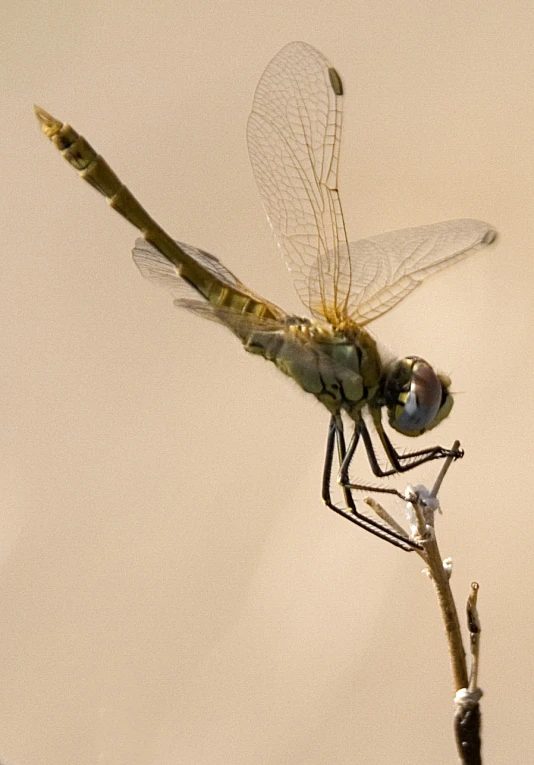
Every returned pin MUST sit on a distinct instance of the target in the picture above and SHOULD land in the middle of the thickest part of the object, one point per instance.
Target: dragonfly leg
(411, 459)
(343, 475)
(335, 435)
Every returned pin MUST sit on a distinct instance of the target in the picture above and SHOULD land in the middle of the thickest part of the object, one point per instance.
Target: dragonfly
(294, 136)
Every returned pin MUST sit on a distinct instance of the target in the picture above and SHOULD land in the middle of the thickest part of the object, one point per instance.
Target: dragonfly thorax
(341, 368)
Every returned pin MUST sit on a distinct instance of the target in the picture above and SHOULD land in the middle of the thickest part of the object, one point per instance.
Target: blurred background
(172, 589)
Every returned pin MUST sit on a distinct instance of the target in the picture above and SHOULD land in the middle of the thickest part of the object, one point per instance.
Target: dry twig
(421, 509)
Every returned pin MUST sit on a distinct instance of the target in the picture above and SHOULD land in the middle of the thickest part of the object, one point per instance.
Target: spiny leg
(416, 458)
(335, 433)
(343, 476)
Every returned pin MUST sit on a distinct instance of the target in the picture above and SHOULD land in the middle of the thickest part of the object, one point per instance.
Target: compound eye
(418, 403)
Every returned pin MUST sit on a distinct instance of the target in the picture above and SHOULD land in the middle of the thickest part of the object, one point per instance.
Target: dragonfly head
(416, 397)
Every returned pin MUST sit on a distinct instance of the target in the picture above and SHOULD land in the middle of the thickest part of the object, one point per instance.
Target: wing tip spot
(490, 236)
(335, 81)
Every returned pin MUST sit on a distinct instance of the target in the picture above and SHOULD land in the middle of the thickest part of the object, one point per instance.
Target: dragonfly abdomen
(94, 169)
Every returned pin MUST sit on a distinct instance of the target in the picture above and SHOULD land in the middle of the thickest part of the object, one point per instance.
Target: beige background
(172, 590)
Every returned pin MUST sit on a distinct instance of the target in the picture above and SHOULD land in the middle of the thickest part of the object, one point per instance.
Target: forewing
(294, 133)
(387, 267)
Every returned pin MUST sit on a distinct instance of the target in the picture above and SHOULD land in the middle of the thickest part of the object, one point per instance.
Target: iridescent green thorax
(340, 367)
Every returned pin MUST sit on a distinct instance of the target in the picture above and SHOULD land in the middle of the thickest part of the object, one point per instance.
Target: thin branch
(422, 506)
(467, 697)
(473, 623)
(467, 713)
(383, 514)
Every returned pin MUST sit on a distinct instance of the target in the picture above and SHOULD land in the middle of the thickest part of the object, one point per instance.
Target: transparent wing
(156, 268)
(242, 324)
(294, 133)
(387, 267)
